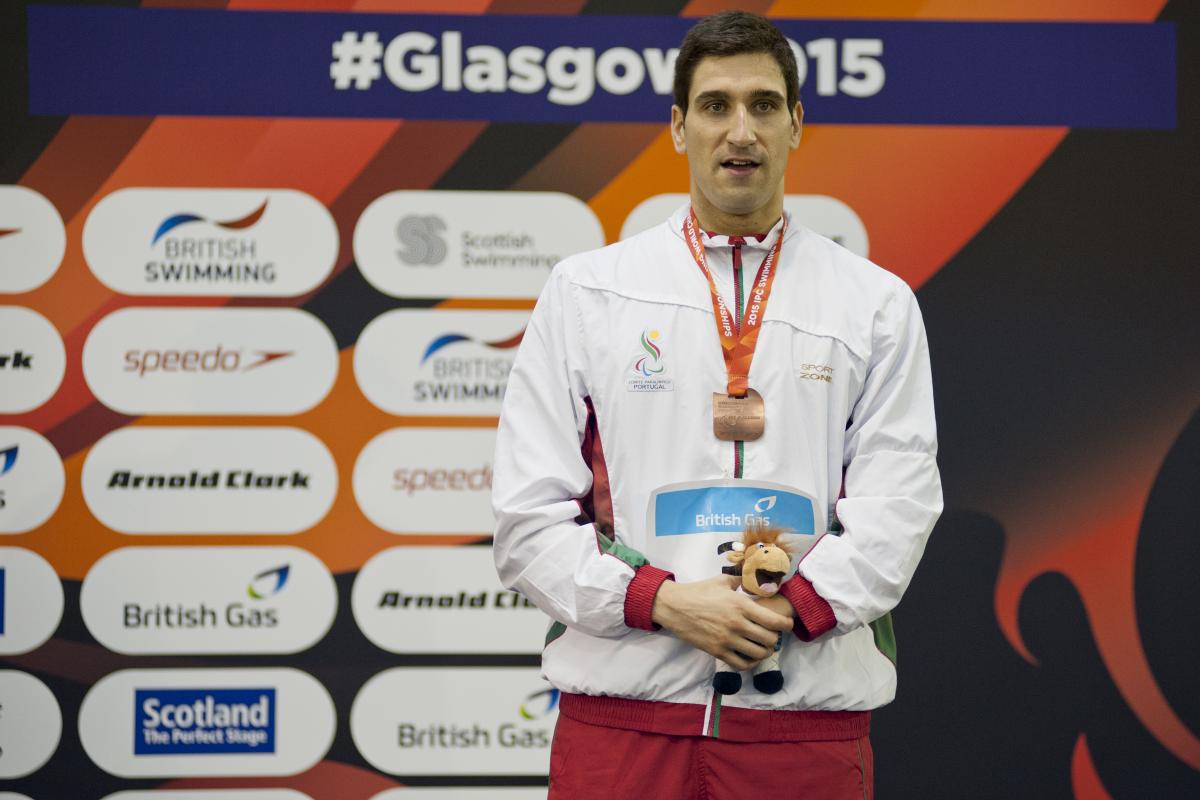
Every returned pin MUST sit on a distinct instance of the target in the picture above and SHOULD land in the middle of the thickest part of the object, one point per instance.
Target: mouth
(768, 581)
(740, 166)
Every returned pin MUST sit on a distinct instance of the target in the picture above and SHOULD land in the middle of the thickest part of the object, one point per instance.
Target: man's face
(737, 136)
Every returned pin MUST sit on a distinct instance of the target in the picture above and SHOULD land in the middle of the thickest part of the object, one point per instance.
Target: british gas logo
(200, 722)
(461, 370)
(465, 721)
(196, 242)
(539, 704)
(215, 600)
(269, 583)
(470, 244)
(210, 361)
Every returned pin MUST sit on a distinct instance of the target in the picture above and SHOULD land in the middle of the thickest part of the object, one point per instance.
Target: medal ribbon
(737, 344)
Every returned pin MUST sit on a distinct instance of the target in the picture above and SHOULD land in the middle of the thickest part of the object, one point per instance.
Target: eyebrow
(757, 94)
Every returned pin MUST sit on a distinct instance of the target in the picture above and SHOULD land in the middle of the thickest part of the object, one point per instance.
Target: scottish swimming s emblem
(647, 370)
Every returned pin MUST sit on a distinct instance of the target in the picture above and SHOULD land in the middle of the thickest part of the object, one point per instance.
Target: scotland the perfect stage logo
(203, 721)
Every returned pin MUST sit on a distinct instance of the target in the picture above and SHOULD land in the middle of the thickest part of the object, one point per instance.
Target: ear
(797, 124)
(677, 136)
(735, 556)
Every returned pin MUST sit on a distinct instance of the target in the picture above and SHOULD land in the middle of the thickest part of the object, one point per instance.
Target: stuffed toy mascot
(762, 561)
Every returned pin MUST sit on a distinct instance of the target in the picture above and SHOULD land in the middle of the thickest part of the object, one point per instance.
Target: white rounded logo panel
(470, 244)
(31, 601)
(206, 242)
(210, 361)
(32, 360)
(826, 215)
(163, 723)
(428, 480)
(32, 479)
(438, 363)
(209, 794)
(31, 725)
(443, 600)
(456, 721)
(32, 239)
(152, 480)
(169, 600)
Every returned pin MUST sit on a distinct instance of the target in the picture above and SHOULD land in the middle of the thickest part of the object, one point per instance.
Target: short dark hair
(732, 33)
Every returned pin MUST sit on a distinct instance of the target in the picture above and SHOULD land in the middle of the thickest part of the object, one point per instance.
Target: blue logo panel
(729, 509)
(203, 721)
(85, 60)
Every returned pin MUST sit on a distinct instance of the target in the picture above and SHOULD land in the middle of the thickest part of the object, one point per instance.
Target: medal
(739, 414)
(738, 418)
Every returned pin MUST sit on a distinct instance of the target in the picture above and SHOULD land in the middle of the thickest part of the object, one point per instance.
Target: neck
(716, 221)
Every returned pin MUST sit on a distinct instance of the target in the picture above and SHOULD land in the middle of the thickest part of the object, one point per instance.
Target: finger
(736, 660)
(766, 618)
(763, 637)
(752, 650)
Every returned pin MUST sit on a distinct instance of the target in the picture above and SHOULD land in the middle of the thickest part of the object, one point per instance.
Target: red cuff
(814, 616)
(639, 597)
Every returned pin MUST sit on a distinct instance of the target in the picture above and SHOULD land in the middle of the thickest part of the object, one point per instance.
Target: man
(728, 366)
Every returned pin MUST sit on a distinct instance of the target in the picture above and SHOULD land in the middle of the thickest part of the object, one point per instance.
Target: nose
(741, 129)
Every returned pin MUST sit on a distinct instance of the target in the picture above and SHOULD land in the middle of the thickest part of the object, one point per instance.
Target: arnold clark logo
(826, 215)
(470, 244)
(183, 722)
(443, 600)
(208, 480)
(32, 239)
(428, 480)
(421, 362)
(276, 361)
(32, 479)
(463, 721)
(169, 600)
(195, 242)
(32, 359)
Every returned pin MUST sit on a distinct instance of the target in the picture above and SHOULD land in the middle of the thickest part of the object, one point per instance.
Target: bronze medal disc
(738, 418)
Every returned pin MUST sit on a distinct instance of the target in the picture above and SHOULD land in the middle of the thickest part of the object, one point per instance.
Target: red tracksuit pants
(591, 762)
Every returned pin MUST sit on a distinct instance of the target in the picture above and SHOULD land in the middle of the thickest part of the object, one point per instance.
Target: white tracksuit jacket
(843, 367)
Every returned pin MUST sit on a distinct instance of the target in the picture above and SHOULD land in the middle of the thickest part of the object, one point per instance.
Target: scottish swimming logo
(203, 721)
(648, 370)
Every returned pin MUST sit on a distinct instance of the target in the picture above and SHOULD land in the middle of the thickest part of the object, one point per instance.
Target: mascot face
(763, 565)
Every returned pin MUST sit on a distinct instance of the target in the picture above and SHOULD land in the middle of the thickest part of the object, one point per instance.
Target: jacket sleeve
(571, 571)
(892, 489)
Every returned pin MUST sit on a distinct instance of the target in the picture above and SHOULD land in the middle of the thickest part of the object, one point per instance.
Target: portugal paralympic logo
(176, 220)
(651, 363)
(539, 704)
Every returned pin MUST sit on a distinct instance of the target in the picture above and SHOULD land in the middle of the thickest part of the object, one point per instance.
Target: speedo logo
(210, 361)
(218, 359)
(199, 721)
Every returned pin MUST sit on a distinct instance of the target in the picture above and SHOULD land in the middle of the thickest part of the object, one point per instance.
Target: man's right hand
(711, 616)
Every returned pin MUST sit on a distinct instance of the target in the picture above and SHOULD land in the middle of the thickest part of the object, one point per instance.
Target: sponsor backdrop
(264, 265)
